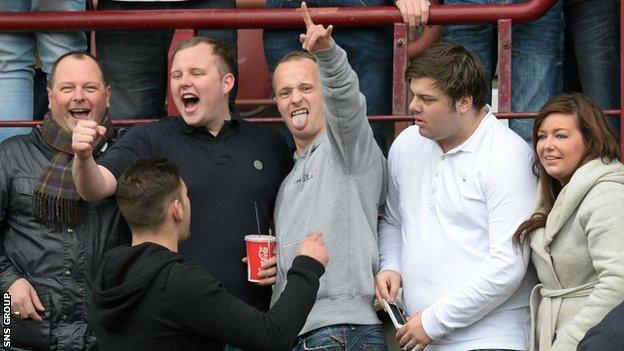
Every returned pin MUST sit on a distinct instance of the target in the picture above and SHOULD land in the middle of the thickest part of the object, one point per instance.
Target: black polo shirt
(225, 175)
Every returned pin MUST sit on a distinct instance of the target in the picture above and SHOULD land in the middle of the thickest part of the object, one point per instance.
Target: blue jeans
(369, 52)
(17, 58)
(135, 61)
(343, 337)
(537, 58)
(592, 52)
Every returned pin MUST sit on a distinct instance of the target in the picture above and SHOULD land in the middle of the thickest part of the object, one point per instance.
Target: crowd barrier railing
(501, 14)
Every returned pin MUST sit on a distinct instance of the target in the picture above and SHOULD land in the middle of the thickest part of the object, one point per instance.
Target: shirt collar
(228, 128)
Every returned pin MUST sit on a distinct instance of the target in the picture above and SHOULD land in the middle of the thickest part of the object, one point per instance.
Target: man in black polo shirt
(229, 165)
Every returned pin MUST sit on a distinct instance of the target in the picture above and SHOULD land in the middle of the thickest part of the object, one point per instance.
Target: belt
(548, 307)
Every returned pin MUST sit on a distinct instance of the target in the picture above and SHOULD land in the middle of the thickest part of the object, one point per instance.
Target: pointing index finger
(306, 15)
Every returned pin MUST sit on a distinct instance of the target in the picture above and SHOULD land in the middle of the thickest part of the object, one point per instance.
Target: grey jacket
(58, 262)
(578, 257)
(336, 186)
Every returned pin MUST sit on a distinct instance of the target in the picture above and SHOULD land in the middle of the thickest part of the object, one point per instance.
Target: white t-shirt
(447, 229)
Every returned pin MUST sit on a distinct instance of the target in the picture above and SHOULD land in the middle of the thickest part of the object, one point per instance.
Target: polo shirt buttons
(70, 230)
(67, 273)
(442, 157)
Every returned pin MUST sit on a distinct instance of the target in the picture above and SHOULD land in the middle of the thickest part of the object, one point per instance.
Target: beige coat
(579, 257)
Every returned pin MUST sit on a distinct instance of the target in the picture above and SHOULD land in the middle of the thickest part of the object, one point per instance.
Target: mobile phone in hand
(396, 315)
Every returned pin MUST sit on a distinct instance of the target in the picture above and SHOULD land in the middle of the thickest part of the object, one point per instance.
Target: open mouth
(299, 117)
(190, 101)
(79, 113)
(298, 112)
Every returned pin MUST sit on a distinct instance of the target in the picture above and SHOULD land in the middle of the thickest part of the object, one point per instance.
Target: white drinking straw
(257, 218)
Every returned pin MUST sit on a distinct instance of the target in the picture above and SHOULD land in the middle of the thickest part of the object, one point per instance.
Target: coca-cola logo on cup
(263, 254)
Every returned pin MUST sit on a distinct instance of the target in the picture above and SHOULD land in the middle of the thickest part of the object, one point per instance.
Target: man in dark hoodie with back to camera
(146, 296)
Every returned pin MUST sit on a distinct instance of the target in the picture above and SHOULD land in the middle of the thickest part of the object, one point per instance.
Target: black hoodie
(147, 298)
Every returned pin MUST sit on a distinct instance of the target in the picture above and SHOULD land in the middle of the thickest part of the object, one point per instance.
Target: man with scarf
(52, 241)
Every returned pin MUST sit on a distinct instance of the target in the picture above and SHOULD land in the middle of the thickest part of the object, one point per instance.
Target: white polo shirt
(447, 229)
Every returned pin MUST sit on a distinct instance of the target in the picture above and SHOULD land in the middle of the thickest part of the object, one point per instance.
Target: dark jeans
(537, 58)
(135, 61)
(369, 52)
(343, 337)
(592, 52)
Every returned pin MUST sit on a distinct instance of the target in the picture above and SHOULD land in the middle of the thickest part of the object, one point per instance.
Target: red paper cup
(259, 250)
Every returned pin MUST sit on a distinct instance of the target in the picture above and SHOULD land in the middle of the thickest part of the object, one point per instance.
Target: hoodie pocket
(28, 334)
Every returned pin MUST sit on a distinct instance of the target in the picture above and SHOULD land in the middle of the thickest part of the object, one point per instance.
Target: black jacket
(61, 262)
(147, 298)
(608, 335)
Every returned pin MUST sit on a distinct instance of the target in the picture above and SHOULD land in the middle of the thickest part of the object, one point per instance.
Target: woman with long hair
(577, 231)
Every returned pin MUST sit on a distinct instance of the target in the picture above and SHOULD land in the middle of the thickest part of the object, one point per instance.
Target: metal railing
(501, 14)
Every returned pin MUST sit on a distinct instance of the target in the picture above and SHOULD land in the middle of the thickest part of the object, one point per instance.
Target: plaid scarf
(56, 200)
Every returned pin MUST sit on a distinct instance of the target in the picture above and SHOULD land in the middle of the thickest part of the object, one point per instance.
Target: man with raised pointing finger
(335, 186)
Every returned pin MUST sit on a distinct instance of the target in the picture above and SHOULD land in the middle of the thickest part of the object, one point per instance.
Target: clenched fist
(85, 137)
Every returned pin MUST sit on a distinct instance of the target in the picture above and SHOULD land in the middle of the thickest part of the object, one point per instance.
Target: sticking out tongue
(299, 121)
(299, 117)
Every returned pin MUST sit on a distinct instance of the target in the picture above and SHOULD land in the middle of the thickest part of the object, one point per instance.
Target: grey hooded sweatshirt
(336, 186)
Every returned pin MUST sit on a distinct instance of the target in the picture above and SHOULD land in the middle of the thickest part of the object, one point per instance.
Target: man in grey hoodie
(335, 186)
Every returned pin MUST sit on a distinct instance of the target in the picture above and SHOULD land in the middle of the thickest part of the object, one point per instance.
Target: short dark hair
(78, 55)
(223, 52)
(145, 189)
(457, 71)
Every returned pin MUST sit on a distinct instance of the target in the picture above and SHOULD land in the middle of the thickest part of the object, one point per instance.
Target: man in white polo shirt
(460, 183)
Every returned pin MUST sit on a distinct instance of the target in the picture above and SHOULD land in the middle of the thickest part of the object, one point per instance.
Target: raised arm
(93, 182)
(345, 107)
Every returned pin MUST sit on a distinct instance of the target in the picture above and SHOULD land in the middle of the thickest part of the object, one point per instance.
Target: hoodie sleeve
(211, 311)
(348, 129)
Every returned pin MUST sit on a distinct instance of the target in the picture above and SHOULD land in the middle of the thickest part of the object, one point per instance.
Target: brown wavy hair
(598, 137)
